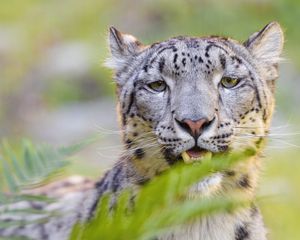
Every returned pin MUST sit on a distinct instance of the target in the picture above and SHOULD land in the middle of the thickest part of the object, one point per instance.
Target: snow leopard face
(191, 97)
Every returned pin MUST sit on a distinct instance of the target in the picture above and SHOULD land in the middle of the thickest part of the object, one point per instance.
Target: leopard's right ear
(122, 47)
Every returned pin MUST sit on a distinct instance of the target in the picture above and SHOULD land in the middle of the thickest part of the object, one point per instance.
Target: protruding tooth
(186, 158)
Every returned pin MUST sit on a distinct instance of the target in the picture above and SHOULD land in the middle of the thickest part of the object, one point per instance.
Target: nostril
(193, 127)
(208, 123)
(183, 125)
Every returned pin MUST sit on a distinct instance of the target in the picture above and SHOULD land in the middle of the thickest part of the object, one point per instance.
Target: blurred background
(54, 89)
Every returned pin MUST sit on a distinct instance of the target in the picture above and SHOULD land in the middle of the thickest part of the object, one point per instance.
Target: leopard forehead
(184, 55)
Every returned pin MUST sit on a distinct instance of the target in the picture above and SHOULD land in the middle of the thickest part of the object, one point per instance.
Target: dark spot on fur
(254, 210)
(116, 178)
(139, 153)
(175, 58)
(258, 142)
(135, 134)
(128, 143)
(241, 233)
(171, 160)
(161, 64)
(235, 58)
(200, 60)
(230, 173)
(145, 68)
(244, 181)
(222, 148)
(222, 60)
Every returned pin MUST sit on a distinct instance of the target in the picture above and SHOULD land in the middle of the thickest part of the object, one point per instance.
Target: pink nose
(193, 127)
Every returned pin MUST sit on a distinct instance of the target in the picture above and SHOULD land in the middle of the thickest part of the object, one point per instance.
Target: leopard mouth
(195, 154)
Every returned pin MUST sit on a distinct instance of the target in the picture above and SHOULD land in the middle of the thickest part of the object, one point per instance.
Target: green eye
(158, 86)
(228, 82)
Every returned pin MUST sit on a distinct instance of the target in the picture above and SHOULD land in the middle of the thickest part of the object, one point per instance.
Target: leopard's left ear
(122, 47)
(266, 45)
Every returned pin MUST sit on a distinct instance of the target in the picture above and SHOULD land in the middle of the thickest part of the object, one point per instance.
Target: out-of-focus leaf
(161, 204)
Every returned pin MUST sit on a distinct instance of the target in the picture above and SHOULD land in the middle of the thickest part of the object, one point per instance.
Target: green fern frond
(35, 164)
(30, 168)
(160, 205)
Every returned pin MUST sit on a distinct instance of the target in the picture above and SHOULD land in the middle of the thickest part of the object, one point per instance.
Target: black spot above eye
(161, 64)
(222, 61)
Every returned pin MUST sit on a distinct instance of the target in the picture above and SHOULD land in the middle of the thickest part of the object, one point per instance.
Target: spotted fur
(152, 121)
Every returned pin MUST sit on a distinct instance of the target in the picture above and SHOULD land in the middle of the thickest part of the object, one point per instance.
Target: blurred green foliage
(27, 165)
(162, 204)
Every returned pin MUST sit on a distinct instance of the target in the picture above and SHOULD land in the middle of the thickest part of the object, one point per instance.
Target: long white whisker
(287, 143)
(108, 131)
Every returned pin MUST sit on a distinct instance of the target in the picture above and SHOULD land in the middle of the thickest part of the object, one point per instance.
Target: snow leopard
(184, 99)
